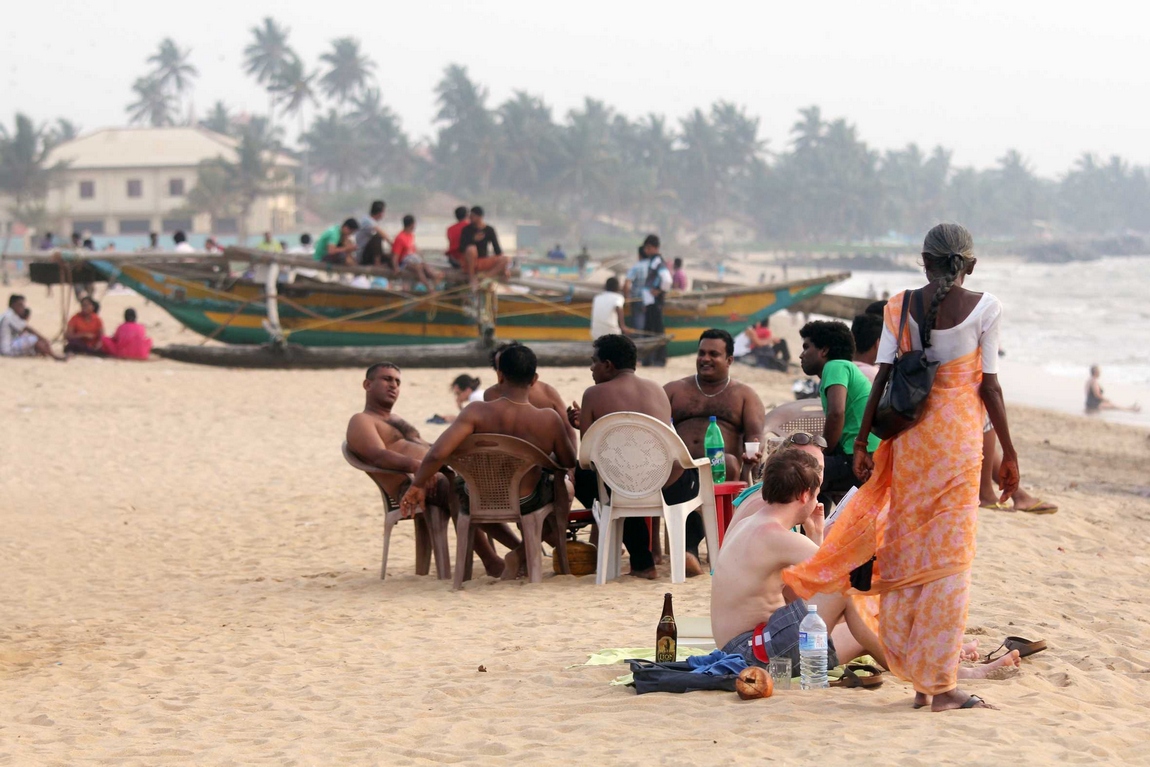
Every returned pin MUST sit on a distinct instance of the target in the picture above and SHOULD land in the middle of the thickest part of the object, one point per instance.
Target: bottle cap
(713, 419)
(812, 609)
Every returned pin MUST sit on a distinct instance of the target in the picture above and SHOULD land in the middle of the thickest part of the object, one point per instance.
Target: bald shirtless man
(738, 411)
(379, 437)
(617, 389)
(748, 596)
(542, 395)
(511, 414)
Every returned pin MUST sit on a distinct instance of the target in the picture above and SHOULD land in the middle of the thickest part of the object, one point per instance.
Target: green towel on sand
(614, 655)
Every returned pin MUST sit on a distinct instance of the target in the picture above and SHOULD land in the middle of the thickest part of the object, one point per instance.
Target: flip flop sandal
(1025, 648)
(851, 678)
(1039, 507)
(996, 506)
(971, 702)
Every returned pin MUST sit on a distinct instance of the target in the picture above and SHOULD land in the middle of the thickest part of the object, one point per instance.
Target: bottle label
(666, 650)
(812, 641)
(718, 462)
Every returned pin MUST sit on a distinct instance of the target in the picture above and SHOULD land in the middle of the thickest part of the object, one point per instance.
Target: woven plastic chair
(493, 465)
(800, 415)
(430, 530)
(633, 454)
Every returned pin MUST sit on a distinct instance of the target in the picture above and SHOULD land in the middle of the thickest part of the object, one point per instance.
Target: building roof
(148, 148)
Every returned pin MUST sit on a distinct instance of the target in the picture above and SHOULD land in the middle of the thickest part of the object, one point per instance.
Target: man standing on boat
(370, 237)
(738, 411)
(656, 282)
(480, 248)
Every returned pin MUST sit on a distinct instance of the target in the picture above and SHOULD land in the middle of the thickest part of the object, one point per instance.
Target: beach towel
(917, 515)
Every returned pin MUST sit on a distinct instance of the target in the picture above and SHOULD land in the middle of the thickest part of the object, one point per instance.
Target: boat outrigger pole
(271, 298)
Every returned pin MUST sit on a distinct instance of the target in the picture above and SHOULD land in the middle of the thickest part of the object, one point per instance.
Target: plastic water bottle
(812, 651)
(713, 444)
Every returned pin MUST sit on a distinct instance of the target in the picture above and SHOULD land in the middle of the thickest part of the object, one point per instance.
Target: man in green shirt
(828, 348)
(336, 246)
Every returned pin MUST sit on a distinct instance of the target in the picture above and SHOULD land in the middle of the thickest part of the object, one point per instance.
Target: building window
(224, 226)
(87, 190)
(135, 187)
(135, 226)
(175, 187)
(93, 227)
(177, 225)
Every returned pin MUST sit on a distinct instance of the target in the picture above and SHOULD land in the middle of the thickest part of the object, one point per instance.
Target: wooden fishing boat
(208, 298)
(472, 354)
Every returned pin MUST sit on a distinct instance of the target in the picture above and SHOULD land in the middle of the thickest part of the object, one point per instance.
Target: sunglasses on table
(801, 438)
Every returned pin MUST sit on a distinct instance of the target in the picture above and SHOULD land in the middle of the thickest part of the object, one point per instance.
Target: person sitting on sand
(542, 394)
(466, 389)
(336, 246)
(512, 414)
(406, 256)
(17, 339)
(738, 410)
(379, 437)
(1096, 402)
(84, 332)
(867, 330)
(130, 341)
(747, 591)
(618, 389)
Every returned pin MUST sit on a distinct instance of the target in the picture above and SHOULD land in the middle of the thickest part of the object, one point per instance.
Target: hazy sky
(1051, 79)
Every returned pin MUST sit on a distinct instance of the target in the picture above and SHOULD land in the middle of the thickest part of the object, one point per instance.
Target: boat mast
(272, 323)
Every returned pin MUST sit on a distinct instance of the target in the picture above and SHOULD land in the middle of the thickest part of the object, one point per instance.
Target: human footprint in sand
(381, 438)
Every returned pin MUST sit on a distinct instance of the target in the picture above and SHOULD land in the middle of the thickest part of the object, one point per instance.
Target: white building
(136, 180)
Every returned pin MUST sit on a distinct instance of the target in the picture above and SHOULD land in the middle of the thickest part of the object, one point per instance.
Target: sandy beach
(191, 576)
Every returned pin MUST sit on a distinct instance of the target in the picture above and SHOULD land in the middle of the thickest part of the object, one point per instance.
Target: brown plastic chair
(800, 415)
(430, 529)
(493, 465)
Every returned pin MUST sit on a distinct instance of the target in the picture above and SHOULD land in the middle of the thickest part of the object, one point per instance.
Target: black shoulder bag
(911, 377)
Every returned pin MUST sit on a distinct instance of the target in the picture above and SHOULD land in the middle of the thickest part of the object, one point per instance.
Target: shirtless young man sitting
(513, 415)
(379, 437)
(617, 389)
(738, 411)
(542, 395)
(747, 591)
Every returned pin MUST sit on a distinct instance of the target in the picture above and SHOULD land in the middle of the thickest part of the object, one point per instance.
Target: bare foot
(996, 669)
(1023, 499)
(514, 565)
(693, 567)
(494, 568)
(956, 699)
(969, 651)
(650, 574)
(921, 700)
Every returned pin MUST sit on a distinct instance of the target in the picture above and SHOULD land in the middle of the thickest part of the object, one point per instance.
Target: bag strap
(902, 324)
(921, 313)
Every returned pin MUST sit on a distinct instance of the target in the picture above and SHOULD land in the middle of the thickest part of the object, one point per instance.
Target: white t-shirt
(605, 314)
(475, 396)
(742, 345)
(11, 326)
(978, 331)
(184, 247)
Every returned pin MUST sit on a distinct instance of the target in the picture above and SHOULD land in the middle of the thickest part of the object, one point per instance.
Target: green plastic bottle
(713, 444)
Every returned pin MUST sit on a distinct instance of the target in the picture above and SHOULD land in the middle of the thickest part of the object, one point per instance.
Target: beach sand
(191, 576)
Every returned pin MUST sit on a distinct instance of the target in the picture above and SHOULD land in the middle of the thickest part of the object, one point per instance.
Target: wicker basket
(581, 556)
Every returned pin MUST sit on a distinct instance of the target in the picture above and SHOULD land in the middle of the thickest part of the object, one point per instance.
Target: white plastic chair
(633, 454)
(431, 526)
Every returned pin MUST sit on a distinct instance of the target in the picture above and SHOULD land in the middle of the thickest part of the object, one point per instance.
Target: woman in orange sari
(917, 513)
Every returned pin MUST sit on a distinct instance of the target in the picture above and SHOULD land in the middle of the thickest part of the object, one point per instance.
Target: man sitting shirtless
(379, 437)
(541, 394)
(513, 415)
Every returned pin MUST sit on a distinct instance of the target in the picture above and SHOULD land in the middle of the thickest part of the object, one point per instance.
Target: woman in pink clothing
(131, 340)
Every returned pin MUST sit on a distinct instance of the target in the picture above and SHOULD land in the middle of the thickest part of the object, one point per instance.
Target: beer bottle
(667, 634)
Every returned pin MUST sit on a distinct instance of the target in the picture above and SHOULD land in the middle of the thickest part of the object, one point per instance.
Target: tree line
(595, 163)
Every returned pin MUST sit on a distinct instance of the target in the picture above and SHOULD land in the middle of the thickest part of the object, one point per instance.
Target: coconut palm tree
(528, 146)
(171, 67)
(335, 146)
(25, 175)
(465, 149)
(219, 119)
(254, 174)
(154, 104)
(349, 71)
(294, 87)
(63, 130)
(267, 54)
(385, 146)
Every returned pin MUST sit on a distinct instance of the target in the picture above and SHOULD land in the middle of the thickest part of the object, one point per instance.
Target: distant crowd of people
(83, 334)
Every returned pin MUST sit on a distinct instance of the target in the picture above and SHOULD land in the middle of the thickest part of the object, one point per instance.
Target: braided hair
(946, 251)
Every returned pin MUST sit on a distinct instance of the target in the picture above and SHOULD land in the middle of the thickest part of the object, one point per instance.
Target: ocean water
(1058, 319)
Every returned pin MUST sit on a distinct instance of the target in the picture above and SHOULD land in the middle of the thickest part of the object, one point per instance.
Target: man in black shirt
(477, 241)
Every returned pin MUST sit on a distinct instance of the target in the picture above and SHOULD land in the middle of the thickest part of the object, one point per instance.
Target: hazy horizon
(977, 78)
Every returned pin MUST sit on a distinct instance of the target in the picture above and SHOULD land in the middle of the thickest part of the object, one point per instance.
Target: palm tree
(267, 54)
(219, 119)
(254, 174)
(154, 105)
(294, 88)
(587, 158)
(335, 146)
(528, 143)
(384, 144)
(63, 130)
(466, 146)
(25, 175)
(349, 71)
(171, 67)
